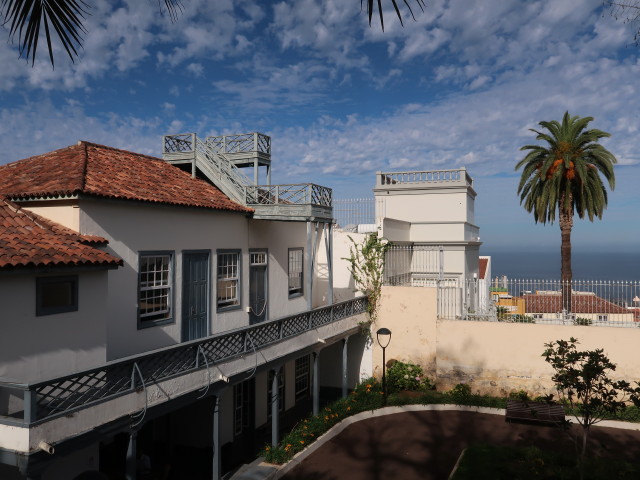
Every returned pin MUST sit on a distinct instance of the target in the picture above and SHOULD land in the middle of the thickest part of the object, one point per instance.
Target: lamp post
(384, 334)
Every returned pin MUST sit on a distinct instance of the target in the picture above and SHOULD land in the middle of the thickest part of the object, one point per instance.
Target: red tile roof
(482, 267)
(97, 170)
(29, 240)
(580, 303)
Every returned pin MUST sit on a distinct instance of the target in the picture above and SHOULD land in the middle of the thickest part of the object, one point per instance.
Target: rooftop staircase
(220, 160)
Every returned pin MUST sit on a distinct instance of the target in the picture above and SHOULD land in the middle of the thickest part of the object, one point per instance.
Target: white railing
(585, 302)
(413, 265)
(426, 176)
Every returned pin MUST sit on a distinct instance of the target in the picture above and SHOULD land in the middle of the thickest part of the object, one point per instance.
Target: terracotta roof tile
(29, 240)
(580, 303)
(91, 169)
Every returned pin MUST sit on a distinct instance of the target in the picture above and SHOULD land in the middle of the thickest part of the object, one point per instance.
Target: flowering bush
(407, 376)
(366, 396)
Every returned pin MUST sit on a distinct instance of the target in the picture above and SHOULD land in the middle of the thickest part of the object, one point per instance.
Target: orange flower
(302, 442)
(348, 408)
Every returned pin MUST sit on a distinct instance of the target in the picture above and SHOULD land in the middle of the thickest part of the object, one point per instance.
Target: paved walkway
(424, 445)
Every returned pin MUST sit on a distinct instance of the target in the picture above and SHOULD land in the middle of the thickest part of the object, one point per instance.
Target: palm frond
(25, 18)
(377, 4)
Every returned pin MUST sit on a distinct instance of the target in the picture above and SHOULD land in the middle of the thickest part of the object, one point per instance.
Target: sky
(458, 87)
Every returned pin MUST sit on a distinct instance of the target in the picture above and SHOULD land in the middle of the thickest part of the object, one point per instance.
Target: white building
(143, 305)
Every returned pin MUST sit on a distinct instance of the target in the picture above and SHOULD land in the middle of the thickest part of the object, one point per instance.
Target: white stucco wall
(35, 348)
(427, 205)
(278, 238)
(65, 212)
(132, 227)
(343, 285)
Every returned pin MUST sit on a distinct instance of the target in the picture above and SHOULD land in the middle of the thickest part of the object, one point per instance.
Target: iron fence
(29, 404)
(351, 212)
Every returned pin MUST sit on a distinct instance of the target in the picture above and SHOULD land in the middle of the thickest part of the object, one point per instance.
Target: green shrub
(460, 392)
(521, 395)
(407, 376)
(585, 322)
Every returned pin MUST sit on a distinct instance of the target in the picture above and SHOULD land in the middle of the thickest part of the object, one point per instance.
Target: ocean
(545, 265)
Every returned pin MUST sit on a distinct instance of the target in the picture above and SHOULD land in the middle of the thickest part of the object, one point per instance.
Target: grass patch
(488, 462)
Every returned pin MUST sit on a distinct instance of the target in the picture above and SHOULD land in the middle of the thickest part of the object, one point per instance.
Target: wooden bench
(534, 412)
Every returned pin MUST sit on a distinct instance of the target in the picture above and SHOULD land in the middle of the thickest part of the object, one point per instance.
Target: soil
(425, 445)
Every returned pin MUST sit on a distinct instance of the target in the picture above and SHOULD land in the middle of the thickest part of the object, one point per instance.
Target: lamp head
(383, 334)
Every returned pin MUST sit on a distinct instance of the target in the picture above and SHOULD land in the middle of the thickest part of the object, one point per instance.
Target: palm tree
(564, 177)
(66, 17)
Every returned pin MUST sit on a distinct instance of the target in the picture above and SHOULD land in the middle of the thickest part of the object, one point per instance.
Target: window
(228, 285)
(603, 318)
(303, 374)
(155, 284)
(280, 391)
(295, 272)
(241, 406)
(537, 316)
(56, 295)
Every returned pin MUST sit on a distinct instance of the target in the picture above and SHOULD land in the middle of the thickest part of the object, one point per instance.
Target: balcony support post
(269, 174)
(275, 411)
(308, 271)
(328, 242)
(255, 171)
(345, 372)
(217, 465)
(316, 383)
(131, 473)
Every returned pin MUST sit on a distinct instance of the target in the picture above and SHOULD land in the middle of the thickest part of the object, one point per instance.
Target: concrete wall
(36, 348)
(396, 230)
(64, 212)
(410, 314)
(492, 357)
(343, 285)
(427, 204)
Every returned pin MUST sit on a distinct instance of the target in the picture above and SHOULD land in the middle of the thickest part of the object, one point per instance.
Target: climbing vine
(366, 264)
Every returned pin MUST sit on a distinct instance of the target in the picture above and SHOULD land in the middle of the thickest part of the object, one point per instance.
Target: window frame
(142, 324)
(302, 377)
(295, 292)
(42, 282)
(238, 280)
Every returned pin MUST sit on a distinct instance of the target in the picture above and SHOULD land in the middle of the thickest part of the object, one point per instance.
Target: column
(308, 268)
(275, 411)
(217, 466)
(255, 171)
(344, 367)
(316, 383)
(131, 456)
(329, 245)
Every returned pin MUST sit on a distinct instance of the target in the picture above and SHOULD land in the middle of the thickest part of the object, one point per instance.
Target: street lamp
(384, 336)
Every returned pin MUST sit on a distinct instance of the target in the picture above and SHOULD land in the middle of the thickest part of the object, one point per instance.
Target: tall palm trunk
(566, 275)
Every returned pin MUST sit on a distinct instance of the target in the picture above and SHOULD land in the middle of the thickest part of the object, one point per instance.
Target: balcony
(124, 390)
(221, 161)
(290, 202)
